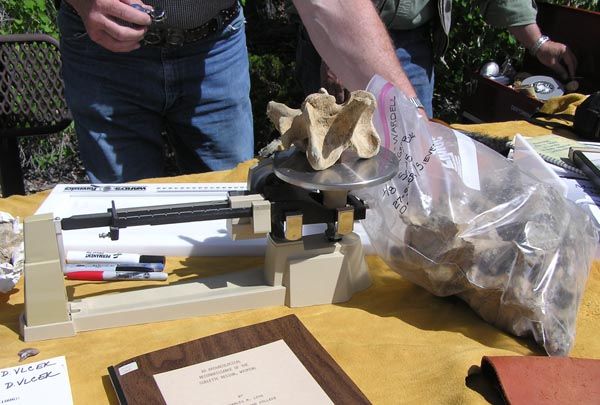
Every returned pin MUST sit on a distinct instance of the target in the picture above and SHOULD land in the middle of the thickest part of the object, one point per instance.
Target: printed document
(268, 374)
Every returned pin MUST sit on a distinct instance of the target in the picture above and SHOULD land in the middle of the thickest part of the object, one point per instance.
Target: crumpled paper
(11, 252)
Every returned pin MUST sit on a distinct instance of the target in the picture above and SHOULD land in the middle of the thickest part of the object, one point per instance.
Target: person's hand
(101, 19)
(559, 58)
(332, 84)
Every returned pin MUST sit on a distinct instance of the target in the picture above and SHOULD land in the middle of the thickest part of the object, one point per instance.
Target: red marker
(115, 275)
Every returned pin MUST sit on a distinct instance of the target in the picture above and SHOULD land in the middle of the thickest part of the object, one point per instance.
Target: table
(396, 341)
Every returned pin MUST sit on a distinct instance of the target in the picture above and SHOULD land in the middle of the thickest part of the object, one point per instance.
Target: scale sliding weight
(284, 193)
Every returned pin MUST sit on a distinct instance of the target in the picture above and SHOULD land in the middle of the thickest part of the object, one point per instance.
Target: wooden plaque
(139, 387)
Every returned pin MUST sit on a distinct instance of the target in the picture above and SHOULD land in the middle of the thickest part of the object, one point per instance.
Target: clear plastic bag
(460, 219)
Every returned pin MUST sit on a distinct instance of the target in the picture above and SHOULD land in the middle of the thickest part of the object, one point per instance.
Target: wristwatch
(416, 102)
(538, 44)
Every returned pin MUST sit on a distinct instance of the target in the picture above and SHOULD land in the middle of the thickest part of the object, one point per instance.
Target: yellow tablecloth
(398, 343)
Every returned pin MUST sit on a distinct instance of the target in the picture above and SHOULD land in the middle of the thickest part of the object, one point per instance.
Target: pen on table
(115, 275)
(139, 267)
(76, 256)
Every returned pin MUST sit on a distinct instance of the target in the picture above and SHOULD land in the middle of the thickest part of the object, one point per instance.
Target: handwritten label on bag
(425, 150)
(405, 145)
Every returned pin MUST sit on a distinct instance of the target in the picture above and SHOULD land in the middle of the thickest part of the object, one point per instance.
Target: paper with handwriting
(36, 383)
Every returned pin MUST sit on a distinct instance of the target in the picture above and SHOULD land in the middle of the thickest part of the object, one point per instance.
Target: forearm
(353, 41)
(555, 55)
(527, 35)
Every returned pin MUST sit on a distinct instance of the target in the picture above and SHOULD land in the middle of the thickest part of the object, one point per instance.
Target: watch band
(416, 102)
(538, 44)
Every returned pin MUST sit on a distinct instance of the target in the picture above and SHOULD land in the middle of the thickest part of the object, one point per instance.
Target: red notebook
(544, 380)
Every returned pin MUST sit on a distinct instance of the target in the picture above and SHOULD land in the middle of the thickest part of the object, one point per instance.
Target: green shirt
(406, 14)
(508, 13)
(409, 14)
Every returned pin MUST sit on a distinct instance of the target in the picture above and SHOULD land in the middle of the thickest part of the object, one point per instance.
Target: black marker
(74, 256)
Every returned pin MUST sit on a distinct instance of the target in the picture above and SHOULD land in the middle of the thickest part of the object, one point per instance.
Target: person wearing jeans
(128, 80)
(122, 102)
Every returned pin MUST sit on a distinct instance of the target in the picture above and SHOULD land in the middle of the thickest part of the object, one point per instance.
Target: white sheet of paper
(268, 374)
(205, 238)
(42, 382)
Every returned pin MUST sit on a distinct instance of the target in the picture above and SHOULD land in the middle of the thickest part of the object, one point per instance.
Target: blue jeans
(123, 103)
(414, 50)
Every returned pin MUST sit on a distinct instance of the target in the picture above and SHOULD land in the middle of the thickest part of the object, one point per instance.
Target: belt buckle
(169, 37)
(155, 35)
(154, 38)
(175, 37)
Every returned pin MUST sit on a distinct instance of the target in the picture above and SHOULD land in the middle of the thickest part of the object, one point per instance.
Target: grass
(49, 160)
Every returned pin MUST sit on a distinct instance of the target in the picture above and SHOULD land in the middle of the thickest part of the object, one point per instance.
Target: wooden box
(489, 101)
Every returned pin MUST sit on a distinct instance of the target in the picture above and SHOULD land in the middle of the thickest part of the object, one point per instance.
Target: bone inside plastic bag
(460, 219)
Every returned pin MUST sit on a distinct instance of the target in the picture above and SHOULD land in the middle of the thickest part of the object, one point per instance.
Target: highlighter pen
(74, 256)
(115, 275)
(145, 267)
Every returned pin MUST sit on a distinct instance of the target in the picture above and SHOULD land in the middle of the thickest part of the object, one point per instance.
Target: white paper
(467, 165)
(268, 374)
(205, 238)
(10, 272)
(575, 187)
(42, 382)
(128, 368)
(585, 194)
(529, 161)
(9, 277)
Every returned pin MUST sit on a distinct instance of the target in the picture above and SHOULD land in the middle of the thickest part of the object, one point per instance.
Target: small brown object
(28, 352)
(572, 86)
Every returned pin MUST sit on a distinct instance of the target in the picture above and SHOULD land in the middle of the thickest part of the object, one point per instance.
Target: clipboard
(588, 160)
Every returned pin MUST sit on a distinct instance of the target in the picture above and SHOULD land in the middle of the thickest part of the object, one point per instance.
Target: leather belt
(163, 36)
(158, 35)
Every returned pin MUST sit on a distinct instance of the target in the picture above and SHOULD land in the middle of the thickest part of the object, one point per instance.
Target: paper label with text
(268, 374)
(35, 383)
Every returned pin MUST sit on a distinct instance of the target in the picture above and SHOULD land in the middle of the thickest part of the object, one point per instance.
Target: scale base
(316, 271)
(311, 271)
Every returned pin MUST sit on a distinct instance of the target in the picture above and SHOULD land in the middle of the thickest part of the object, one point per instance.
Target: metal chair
(31, 99)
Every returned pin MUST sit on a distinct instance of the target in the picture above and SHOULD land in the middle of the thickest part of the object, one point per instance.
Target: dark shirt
(188, 14)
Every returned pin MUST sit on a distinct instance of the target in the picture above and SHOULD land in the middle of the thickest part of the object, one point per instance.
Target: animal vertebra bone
(324, 129)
